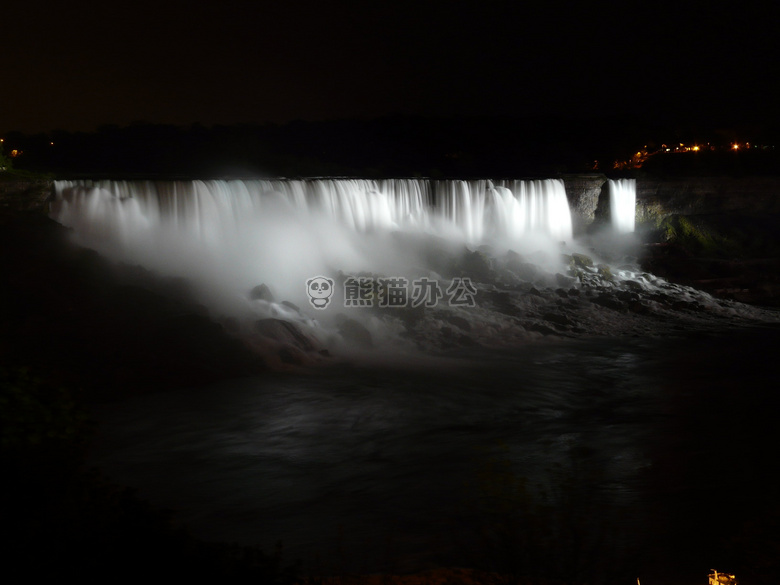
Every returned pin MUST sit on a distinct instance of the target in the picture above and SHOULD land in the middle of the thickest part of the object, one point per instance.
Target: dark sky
(76, 65)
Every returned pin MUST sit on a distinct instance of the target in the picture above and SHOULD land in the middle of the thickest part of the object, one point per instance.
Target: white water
(622, 204)
(230, 236)
(476, 211)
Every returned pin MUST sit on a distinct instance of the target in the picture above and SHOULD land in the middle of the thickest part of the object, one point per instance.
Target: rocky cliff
(25, 194)
(583, 193)
(658, 199)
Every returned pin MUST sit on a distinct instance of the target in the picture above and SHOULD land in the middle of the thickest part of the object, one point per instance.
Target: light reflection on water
(612, 441)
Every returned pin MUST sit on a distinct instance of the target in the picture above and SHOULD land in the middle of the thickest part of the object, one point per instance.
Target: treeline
(389, 146)
(385, 147)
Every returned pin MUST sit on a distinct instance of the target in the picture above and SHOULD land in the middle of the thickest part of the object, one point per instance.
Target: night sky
(78, 65)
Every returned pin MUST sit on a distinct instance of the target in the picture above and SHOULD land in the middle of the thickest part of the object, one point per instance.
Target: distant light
(51, 143)
(695, 148)
(735, 147)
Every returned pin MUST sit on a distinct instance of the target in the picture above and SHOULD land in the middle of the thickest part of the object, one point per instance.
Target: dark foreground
(593, 461)
(586, 461)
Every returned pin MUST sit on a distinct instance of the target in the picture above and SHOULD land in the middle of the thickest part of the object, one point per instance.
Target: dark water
(600, 460)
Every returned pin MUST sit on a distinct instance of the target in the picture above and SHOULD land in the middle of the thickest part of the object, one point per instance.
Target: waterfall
(478, 210)
(233, 235)
(622, 204)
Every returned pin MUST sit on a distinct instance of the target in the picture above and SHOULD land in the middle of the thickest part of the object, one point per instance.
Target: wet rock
(508, 277)
(519, 266)
(605, 272)
(626, 295)
(543, 329)
(355, 332)
(558, 319)
(639, 308)
(285, 332)
(459, 322)
(477, 265)
(593, 280)
(610, 302)
(502, 302)
(634, 285)
(545, 279)
(581, 260)
(565, 281)
(535, 292)
(292, 306)
(526, 271)
(261, 293)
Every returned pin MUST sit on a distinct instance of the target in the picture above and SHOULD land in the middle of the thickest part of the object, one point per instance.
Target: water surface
(592, 459)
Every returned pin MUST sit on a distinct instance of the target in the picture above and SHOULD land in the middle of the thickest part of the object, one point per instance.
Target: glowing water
(622, 204)
(229, 236)
(479, 210)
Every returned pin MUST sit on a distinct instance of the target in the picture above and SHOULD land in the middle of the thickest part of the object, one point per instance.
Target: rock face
(285, 332)
(262, 293)
(29, 195)
(720, 234)
(657, 199)
(583, 192)
(355, 333)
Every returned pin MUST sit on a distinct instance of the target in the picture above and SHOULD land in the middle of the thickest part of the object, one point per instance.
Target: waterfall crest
(477, 211)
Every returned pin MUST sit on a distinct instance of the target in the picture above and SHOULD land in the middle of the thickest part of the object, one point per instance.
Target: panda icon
(319, 289)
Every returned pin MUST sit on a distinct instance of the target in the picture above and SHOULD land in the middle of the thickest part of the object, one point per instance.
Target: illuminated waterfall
(231, 235)
(622, 204)
(478, 210)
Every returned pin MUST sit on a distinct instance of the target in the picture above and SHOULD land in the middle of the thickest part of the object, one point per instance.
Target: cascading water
(622, 204)
(229, 236)
(480, 211)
